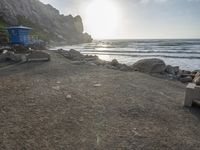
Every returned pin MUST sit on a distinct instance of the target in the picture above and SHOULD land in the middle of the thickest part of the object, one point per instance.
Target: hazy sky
(135, 18)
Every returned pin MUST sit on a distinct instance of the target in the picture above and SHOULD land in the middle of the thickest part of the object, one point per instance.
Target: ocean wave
(142, 51)
(144, 43)
(161, 56)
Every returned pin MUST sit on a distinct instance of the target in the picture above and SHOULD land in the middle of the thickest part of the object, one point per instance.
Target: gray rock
(124, 67)
(197, 80)
(7, 55)
(172, 70)
(91, 63)
(149, 66)
(38, 56)
(185, 72)
(195, 71)
(78, 62)
(114, 62)
(91, 58)
(97, 85)
(186, 79)
(100, 62)
(197, 74)
(72, 54)
(68, 96)
(76, 55)
(111, 67)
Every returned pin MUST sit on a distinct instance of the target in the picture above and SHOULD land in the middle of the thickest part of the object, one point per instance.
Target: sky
(135, 19)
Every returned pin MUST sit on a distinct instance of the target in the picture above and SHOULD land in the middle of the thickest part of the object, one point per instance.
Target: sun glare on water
(102, 18)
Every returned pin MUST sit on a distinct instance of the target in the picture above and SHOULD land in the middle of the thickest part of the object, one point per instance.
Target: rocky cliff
(46, 21)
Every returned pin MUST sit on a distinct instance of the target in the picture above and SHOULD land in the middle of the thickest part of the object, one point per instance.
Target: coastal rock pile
(150, 66)
(172, 70)
(79, 59)
(13, 55)
(8, 55)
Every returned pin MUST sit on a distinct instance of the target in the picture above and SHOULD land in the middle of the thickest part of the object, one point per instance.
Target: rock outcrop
(45, 20)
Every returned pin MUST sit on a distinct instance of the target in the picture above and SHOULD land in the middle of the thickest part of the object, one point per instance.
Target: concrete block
(192, 94)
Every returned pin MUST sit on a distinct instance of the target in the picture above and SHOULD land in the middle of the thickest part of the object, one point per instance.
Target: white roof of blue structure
(19, 27)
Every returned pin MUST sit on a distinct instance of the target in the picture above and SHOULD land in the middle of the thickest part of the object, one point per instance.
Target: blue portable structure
(19, 35)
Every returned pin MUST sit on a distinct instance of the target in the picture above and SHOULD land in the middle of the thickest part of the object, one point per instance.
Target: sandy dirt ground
(55, 106)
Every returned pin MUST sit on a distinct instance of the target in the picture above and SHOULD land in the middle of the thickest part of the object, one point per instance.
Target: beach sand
(58, 105)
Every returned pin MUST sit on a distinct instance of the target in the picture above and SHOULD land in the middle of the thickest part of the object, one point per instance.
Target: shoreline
(154, 66)
(184, 53)
(166, 71)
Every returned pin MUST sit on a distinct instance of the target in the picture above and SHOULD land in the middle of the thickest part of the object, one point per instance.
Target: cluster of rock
(78, 58)
(150, 66)
(9, 55)
(157, 66)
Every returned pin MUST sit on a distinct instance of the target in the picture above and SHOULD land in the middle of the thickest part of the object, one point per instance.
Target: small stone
(97, 85)
(58, 82)
(91, 63)
(186, 79)
(69, 97)
(57, 88)
(81, 119)
(78, 62)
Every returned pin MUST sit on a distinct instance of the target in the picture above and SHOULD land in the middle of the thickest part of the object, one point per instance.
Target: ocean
(176, 52)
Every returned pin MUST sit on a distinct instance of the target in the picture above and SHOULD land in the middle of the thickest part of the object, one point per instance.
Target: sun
(102, 18)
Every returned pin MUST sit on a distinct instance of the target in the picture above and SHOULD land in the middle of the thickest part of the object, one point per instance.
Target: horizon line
(147, 38)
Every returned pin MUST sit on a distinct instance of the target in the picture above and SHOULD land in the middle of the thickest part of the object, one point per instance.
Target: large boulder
(100, 62)
(38, 56)
(149, 66)
(72, 54)
(75, 55)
